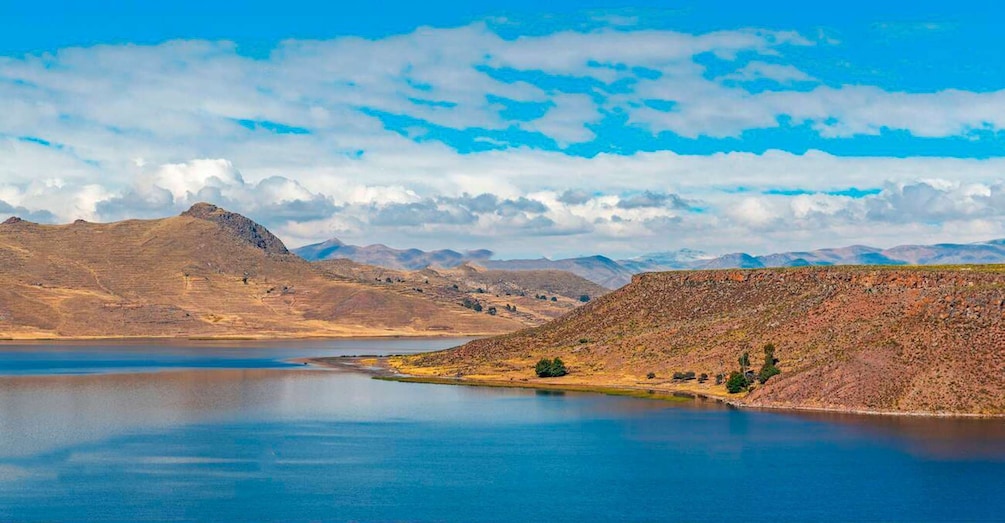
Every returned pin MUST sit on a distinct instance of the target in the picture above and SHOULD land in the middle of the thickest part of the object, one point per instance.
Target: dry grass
(192, 277)
(849, 338)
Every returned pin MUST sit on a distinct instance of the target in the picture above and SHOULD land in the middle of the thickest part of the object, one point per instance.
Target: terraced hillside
(879, 339)
(208, 273)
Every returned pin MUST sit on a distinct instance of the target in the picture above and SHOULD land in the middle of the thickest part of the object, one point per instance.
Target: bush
(703, 378)
(554, 298)
(720, 378)
(651, 375)
(768, 369)
(584, 298)
(736, 382)
(546, 368)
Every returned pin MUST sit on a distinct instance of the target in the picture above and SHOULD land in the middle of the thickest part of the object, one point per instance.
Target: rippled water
(236, 432)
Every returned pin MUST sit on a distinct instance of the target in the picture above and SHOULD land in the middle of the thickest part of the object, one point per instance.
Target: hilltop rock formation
(241, 227)
(917, 340)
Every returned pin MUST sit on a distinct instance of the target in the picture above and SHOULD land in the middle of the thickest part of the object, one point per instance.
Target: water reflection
(300, 443)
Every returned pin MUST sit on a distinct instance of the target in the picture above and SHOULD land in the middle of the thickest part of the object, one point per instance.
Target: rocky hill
(206, 273)
(919, 340)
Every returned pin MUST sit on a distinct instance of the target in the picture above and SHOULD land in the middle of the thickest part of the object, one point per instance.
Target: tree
(744, 361)
(768, 369)
(546, 368)
(736, 382)
(554, 298)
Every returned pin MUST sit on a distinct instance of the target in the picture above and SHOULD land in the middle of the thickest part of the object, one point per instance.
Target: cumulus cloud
(361, 138)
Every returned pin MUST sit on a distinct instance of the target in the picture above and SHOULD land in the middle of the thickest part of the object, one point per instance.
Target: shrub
(554, 298)
(767, 372)
(703, 378)
(546, 368)
(584, 298)
(584, 340)
(736, 382)
(651, 375)
(492, 311)
(719, 378)
(768, 369)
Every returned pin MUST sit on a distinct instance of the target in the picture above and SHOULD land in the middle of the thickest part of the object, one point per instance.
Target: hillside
(531, 297)
(920, 340)
(207, 273)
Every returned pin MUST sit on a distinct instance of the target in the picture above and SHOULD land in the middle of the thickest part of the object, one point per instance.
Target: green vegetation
(684, 376)
(651, 375)
(768, 369)
(736, 382)
(584, 298)
(550, 368)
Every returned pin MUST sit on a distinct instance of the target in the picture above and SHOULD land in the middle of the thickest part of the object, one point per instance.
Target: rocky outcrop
(240, 226)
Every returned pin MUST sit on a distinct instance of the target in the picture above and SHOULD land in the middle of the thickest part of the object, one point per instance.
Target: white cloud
(116, 131)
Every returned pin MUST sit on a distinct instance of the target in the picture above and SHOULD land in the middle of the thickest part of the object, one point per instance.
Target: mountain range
(612, 273)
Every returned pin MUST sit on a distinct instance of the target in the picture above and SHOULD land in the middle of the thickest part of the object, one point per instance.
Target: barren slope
(205, 273)
(928, 340)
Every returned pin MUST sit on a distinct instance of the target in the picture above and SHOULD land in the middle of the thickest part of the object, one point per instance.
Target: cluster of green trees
(740, 381)
(550, 368)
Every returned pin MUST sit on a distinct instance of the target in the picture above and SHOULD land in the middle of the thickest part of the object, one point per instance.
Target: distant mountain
(598, 269)
(613, 274)
(384, 256)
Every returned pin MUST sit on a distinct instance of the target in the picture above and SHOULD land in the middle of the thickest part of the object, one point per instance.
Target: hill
(918, 340)
(615, 273)
(598, 269)
(206, 273)
(390, 258)
(531, 297)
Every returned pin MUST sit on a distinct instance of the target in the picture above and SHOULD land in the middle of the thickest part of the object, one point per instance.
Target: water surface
(236, 432)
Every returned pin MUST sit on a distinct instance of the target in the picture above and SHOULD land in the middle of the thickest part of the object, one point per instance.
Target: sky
(530, 128)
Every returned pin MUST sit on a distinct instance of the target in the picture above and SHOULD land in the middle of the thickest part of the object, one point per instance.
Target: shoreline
(382, 372)
(312, 337)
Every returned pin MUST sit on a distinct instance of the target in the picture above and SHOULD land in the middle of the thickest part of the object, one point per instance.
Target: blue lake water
(218, 431)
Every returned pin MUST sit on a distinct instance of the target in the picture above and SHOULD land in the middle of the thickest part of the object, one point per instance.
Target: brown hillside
(205, 273)
(525, 296)
(928, 340)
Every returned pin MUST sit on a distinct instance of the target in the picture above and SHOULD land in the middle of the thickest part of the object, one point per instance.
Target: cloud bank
(462, 138)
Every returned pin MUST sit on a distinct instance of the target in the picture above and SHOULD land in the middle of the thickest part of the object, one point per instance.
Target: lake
(235, 431)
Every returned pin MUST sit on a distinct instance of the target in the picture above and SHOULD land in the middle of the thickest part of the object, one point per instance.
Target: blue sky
(579, 127)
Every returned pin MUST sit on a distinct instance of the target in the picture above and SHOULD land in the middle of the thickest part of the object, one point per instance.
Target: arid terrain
(212, 273)
(870, 339)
